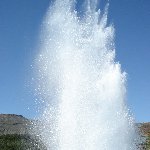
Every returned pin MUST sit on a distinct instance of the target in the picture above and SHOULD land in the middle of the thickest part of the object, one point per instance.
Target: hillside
(145, 130)
(15, 134)
(13, 124)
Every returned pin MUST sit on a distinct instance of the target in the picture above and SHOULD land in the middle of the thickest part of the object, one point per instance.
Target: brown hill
(145, 128)
(17, 124)
(13, 124)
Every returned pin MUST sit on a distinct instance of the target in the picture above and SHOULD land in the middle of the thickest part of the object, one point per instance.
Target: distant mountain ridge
(14, 124)
(17, 124)
(145, 128)
(16, 133)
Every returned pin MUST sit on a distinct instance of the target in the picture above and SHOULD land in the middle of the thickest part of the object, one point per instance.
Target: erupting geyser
(82, 87)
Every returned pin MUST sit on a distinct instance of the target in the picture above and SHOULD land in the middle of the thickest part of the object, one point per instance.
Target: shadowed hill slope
(13, 124)
(145, 130)
(15, 133)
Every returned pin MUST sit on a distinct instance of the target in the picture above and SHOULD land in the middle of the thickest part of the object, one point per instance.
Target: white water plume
(83, 87)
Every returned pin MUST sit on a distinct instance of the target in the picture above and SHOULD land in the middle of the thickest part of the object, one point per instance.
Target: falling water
(82, 87)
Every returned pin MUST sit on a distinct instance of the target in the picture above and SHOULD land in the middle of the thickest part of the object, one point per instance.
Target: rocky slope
(145, 130)
(15, 134)
(13, 124)
(15, 129)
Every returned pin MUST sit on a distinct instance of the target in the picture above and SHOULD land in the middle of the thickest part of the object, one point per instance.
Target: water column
(83, 87)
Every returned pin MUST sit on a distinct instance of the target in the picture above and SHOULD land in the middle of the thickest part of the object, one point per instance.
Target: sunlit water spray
(82, 87)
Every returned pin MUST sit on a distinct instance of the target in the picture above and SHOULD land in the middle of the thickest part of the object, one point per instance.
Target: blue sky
(20, 22)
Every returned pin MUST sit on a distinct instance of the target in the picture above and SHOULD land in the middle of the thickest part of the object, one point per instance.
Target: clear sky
(20, 22)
